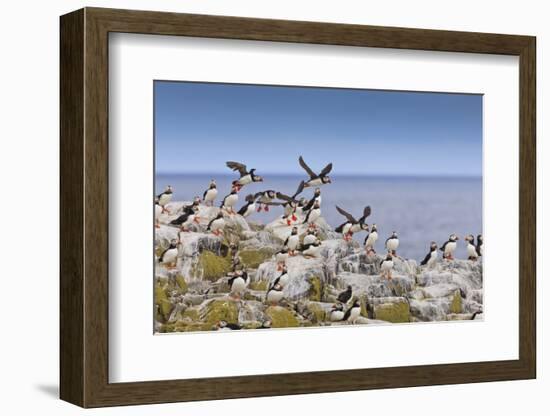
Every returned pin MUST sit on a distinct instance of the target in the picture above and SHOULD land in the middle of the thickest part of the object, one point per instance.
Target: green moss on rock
(315, 289)
(393, 312)
(456, 303)
(259, 285)
(253, 258)
(317, 311)
(281, 317)
(162, 302)
(182, 284)
(221, 310)
(213, 267)
(191, 314)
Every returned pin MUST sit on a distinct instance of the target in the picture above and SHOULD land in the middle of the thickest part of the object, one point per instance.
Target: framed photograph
(264, 207)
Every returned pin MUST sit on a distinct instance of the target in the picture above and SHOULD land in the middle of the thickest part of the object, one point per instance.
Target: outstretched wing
(284, 197)
(299, 190)
(303, 164)
(346, 214)
(237, 167)
(366, 213)
(326, 170)
(250, 198)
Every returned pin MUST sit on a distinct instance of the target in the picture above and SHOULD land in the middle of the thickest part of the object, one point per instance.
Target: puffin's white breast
(293, 242)
(238, 285)
(170, 256)
(336, 316)
(274, 295)
(450, 247)
(393, 243)
(164, 199)
(211, 194)
(231, 200)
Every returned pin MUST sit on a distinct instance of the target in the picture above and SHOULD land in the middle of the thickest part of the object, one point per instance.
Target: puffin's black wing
(303, 164)
(233, 327)
(284, 197)
(348, 313)
(307, 218)
(326, 170)
(204, 194)
(346, 214)
(389, 238)
(442, 248)
(210, 223)
(340, 228)
(382, 262)
(181, 219)
(344, 296)
(478, 248)
(426, 259)
(366, 238)
(161, 258)
(309, 205)
(239, 167)
(244, 208)
(249, 198)
(366, 213)
(299, 190)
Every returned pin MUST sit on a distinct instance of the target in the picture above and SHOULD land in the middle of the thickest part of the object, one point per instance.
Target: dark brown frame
(84, 207)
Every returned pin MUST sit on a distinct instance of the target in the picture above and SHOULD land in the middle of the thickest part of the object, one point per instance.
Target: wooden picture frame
(84, 207)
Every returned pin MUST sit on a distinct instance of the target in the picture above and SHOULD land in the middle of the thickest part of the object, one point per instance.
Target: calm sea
(419, 209)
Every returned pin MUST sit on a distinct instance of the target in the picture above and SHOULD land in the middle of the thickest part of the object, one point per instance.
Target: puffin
(392, 243)
(292, 241)
(471, 247)
(275, 294)
(246, 176)
(281, 257)
(265, 198)
(237, 284)
(290, 204)
(217, 224)
(282, 279)
(345, 296)
(165, 198)
(311, 250)
(195, 204)
(188, 217)
(310, 237)
(313, 215)
(352, 225)
(300, 207)
(224, 326)
(353, 312)
(316, 198)
(449, 247)
(210, 194)
(386, 266)
(169, 256)
(158, 212)
(316, 180)
(479, 245)
(370, 239)
(336, 313)
(249, 207)
(230, 200)
(431, 257)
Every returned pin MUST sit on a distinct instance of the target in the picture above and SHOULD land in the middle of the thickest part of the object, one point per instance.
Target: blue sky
(199, 126)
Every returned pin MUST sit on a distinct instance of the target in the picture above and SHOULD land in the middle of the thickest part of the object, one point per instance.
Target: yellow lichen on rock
(392, 312)
(281, 317)
(456, 303)
(259, 285)
(221, 310)
(253, 258)
(182, 284)
(315, 289)
(162, 302)
(213, 267)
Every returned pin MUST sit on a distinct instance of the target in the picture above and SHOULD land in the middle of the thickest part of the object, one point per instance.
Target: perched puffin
(471, 247)
(370, 239)
(316, 180)
(345, 296)
(352, 225)
(195, 204)
(224, 325)
(247, 176)
(165, 198)
(316, 198)
(188, 217)
(249, 207)
(313, 215)
(265, 198)
(449, 247)
(431, 257)
(311, 250)
(237, 284)
(353, 312)
(292, 241)
(158, 212)
(291, 203)
(336, 313)
(479, 245)
(280, 258)
(217, 224)
(392, 243)
(275, 294)
(210, 194)
(169, 256)
(386, 266)
(230, 201)
(310, 237)
(282, 279)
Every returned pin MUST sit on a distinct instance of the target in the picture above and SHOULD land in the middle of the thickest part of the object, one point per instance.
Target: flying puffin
(370, 239)
(345, 296)
(282, 279)
(158, 212)
(246, 178)
(431, 257)
(281, 257)
(479, 245)
(165, 198)
(352, 225)
(230, 201)
(290, 204)
(449, 247)
(210, 194)
(392, 243)
(275, 294)
(217, 224)
(316, 198)
(237, 284)
(336, 313)
(169, 256)
(311, 250)
(265, 198)
(353, 312)
(471, 247)
(314, 179)
(313, 215)
(310, 237)
(386, 266)
(249, 207)
(292, 241)
(224, 326)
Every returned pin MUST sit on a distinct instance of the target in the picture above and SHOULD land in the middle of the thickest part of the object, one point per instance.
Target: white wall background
(29, 84)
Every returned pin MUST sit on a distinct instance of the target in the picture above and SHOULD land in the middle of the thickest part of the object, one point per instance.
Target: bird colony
(219, 267)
